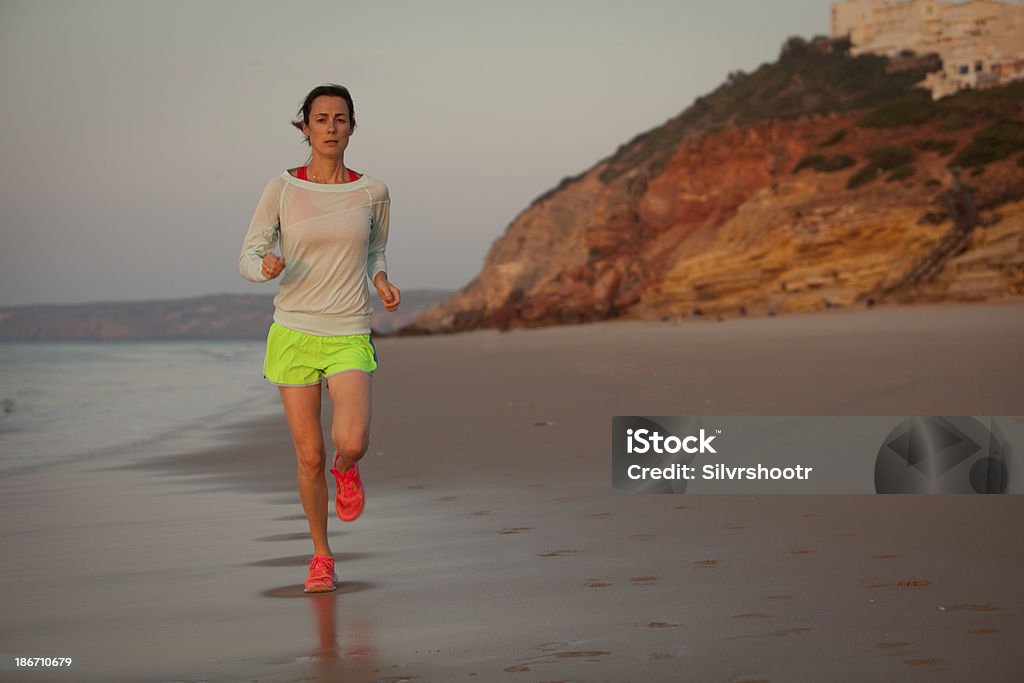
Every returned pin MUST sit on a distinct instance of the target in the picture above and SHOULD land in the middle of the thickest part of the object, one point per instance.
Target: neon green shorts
(297, 359)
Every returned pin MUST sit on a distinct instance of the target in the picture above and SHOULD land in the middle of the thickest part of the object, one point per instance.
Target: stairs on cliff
(965, 219)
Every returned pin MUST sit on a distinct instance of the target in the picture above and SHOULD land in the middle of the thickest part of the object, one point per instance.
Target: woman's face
(329, 126)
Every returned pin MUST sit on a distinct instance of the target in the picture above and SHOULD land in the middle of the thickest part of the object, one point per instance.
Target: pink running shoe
(351, 498)
(321, 577)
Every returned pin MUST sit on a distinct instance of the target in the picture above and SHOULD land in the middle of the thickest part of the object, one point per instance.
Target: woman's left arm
(376, 263)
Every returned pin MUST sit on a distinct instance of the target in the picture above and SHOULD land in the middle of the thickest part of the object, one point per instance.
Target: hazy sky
(138, 136)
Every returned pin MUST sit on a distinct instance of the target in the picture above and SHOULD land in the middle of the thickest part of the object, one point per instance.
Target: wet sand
(493, 548)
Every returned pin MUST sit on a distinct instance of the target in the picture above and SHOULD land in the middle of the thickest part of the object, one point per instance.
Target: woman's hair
(330, 90)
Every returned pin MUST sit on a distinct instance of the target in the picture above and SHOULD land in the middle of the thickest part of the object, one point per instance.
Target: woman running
(332, 225)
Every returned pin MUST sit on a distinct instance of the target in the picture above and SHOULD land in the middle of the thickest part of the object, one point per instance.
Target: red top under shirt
(301, 174)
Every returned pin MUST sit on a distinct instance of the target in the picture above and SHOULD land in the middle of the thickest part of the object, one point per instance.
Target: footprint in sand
(930, 662)
(581, 653)
(598, 584)
(849, 534)
(808, 514)
(983, 630)
(445, 499)
(909, 583)
(600, 515)
(803, 551)
(643, 537)
(750, 616)
(886, 556)
(480, 513)
(565, 499)
(891, 645)
(643, 580)
(705, 563)
(534, 485)
(660, 656)
(778, 597)
(517, 669)
(558, 553)
(734, 525)
(661, 624)
(797, 631)
(970, 607)
(515, 530)
(680, 506)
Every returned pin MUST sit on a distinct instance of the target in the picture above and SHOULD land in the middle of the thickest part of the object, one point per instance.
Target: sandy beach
(493, 548)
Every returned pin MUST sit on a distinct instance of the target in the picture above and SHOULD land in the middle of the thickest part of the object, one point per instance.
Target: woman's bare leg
(350, 424)
(302, 409)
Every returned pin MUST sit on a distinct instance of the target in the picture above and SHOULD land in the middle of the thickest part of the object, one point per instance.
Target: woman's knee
(352, 446)
(310, 459)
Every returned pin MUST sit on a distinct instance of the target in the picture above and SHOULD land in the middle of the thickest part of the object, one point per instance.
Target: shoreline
(1008, 300)
(493, 546)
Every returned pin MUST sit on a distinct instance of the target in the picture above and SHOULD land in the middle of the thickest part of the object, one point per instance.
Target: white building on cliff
(980, 42)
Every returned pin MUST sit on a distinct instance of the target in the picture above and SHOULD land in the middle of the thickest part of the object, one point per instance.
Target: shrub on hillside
(884, 158)
(901, 172)
(993, 142)
(834, 138)
(820, 162)
(866, 174)
(809, 161)
(956, 121)
(836, 163)
(940, 146)
(900, 112)
(888, 157)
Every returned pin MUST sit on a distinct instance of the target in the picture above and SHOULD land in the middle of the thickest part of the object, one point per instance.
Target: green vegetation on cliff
(820, 162)
(902, 111)
(814, 77)
(993, 142)
(962, 110)
(818, 77)
(940, 146)
(884, 158)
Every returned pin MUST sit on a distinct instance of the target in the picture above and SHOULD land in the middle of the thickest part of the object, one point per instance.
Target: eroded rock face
(725, 227)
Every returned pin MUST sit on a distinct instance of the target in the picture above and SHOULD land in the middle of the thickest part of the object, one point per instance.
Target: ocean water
(65, 400)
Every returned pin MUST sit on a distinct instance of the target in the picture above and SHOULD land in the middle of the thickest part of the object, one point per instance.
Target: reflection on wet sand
(344, 632)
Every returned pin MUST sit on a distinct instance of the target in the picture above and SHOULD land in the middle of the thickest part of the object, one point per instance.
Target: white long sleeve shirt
(332, 238)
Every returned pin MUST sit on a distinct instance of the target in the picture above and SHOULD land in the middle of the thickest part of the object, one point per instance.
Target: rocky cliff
(788, 214)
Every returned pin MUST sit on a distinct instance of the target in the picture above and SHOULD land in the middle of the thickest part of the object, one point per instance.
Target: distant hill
(217, 316)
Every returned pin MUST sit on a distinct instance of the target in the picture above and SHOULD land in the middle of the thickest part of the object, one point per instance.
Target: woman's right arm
(262, 237)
